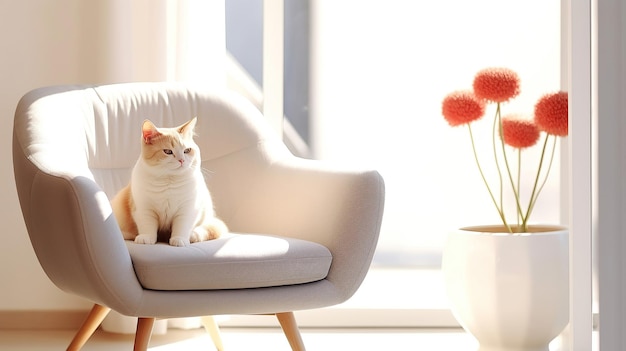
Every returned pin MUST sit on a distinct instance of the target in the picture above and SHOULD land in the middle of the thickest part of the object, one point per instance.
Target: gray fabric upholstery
(233, 261)
(74, 147)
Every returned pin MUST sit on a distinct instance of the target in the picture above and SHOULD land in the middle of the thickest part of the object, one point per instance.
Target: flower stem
(497, 125)
(519, 182)
(537, 191)
(518, 204)
(498, 208)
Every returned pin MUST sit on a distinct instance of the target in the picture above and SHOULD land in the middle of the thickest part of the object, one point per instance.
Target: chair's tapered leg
(95, 317)
(214, 331)
(288, 322)
(144, 332)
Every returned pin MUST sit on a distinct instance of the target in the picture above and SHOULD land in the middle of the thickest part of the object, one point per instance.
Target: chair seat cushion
(234, 261)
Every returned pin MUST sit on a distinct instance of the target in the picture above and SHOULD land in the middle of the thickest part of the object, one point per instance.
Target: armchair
(303, 231)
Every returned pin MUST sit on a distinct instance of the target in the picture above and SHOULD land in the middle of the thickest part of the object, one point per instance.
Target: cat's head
(170, 149)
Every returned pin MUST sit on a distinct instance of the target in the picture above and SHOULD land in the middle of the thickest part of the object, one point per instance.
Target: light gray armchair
(303, 231)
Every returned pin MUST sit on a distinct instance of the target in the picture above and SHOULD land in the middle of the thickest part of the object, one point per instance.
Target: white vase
(510, 291)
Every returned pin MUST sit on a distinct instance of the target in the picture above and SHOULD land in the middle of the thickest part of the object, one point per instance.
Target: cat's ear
(149, 131)
(187, 128)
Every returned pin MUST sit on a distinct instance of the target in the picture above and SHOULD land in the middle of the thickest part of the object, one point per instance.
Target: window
(364, 82)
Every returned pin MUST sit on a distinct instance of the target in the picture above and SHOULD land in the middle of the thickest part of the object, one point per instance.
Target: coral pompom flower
(518, 132)
(496, 84)
(551, 113)
(499, 85)
(462, 107)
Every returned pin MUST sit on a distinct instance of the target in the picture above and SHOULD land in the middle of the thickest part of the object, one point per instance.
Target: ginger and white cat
(167, 192)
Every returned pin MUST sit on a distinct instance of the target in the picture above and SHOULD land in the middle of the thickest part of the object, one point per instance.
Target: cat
(167, 192)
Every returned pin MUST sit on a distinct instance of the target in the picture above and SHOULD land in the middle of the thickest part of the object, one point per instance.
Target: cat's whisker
(207, 172)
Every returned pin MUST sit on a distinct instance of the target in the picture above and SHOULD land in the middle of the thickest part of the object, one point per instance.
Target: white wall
(380, 70)
(49, 42)
(44, 43)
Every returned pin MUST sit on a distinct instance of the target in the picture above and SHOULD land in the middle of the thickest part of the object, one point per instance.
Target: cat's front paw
(146, 239)
(175, 241)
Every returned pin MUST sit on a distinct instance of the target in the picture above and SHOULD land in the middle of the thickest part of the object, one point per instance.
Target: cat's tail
(212, 228)
(216, 228)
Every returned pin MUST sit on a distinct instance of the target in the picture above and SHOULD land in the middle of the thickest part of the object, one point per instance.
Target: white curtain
(157, 40)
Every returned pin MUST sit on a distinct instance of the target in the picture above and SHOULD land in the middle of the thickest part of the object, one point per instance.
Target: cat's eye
(168, 151)
(188, 150)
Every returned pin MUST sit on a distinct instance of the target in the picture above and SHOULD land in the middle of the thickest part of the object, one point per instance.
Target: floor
(258, 339)
(403, 324)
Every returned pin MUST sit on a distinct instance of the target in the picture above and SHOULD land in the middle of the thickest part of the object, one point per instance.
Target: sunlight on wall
(380, 70)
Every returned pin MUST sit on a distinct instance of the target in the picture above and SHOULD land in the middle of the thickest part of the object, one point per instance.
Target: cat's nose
(181, 162)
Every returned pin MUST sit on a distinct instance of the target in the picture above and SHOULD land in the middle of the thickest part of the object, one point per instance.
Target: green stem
(519, 182)
(495, 155)
(508, 170)
(535, 194)
(500, 212)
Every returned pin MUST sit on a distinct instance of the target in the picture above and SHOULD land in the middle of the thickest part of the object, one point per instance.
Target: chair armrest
(74, 234)
(339, 208)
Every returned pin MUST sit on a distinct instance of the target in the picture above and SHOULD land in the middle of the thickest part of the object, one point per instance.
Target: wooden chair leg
(144, 332)
(287, 321)
(91, 323)
(214, 331)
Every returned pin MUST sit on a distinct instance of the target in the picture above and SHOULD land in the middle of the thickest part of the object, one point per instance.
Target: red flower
(551, 113)
(496, 84)
(518, 132)
(461, 107)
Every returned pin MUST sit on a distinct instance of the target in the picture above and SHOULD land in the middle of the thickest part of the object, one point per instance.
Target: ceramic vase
(510, 291)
